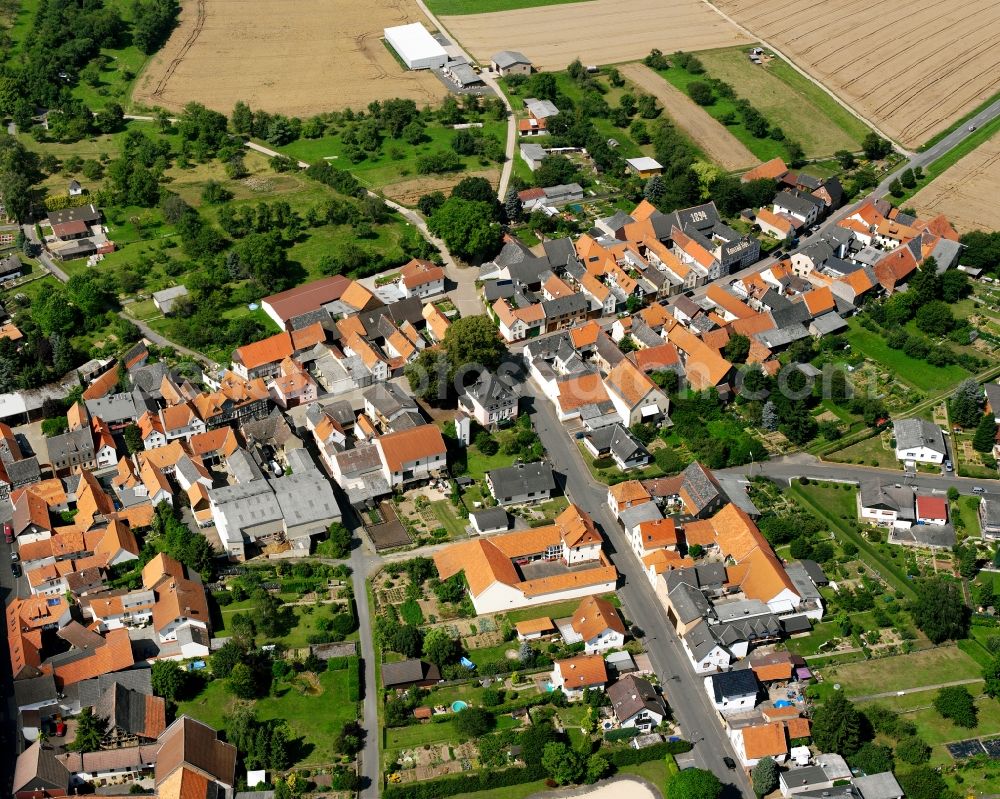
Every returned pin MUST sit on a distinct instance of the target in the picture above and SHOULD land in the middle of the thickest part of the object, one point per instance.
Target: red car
(60, 729)
(8, 533)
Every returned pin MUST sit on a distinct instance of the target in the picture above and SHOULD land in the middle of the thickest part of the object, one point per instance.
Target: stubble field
(291, 58)
(912, 68)
(596, 32)
(967, 191)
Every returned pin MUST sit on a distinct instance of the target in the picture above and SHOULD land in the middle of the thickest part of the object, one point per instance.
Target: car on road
(730, 763)
(972, 127)
(14, 557)
(15, 570)
(8, 533)
(978, 490)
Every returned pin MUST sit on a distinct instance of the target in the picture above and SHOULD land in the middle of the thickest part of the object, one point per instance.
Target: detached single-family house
(489, 401)
(919, 441)
(420, 278)
(636, 703)
(619, 444)
(510, 62)
(577, 674)
(522, 482)
(599, 625)
(733, 691)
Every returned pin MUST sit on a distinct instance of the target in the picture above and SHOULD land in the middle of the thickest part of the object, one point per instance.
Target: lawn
(966, 508)
(804, 112)
(870, 451)
(557, 610)
(419, 734)
(451, 7)
(397, 160)
(810, 644)
(904, 672)
(917, 373)
(291, 703)
(445, 513)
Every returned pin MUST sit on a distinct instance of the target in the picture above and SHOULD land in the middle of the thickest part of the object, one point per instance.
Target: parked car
(8, 533)
(14, 557)
(730, 763)
(15, 570)
(948, 466)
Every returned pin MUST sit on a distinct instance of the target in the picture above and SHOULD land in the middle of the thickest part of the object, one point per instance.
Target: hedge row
(630, 757)
(621, 734)
(354, 679)
(466, 783)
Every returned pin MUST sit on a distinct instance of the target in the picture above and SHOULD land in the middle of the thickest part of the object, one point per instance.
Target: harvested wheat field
(967, 191)
(291, 58)
(911, 68)
(596, 32)
(708, 133)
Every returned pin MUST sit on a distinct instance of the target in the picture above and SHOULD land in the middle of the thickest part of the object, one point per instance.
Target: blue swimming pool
(458, 706)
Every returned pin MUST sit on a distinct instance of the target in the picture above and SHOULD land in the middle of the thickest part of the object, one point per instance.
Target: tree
(655, 189)
(555, 170)
(939, 610)
(242, 683)
(907, 178)
(474, 340)
(957, 704)
(913, 749)
(837, 726)
(764, 776)
(846, 159)
(338, 541)
(694, 783)
(133, 439)
(986, 433)
(440, 648)
(964, 405)
(875, 146)
(924, 782)
(473, 722)
(954, 286)
(769, 416)
(90, 731)
(242, 118)
(872, 758)
(934, 318)
(350, 739)
(991, 675)
(468, 229)
(168, 679)
(562, 763)
(597, 767)
(512, 206)
(896, 188)
(737, 348)
(701, 92)
(226, 657)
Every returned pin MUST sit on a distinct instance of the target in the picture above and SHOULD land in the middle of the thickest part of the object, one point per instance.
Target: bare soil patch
(967, 191)
(298, 59)
(596, 32)
(409, 191)
(885, 65)
(708, 133)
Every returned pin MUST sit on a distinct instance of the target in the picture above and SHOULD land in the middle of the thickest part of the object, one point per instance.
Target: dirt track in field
(911, 66)
(291, 58)
(966, 192)
(596, 32)
(708, 133)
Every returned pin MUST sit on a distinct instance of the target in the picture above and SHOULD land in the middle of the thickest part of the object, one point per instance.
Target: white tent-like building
(417, 48)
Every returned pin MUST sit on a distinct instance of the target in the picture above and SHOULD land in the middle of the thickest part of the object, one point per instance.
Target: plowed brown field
(596, 32)
(911, 66)
(293, 58)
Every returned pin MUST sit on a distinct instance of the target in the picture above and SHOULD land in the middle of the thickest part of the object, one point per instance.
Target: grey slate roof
(913, 433)
(533, 152)
(829, 323)
(619, 441)
(508, 58)
(79, 442)
(89, 691)
(562, 306)
(795, 203)
(491, 519)
(925, 535)
(815, 571)
(23, 472)
(645, 512)
(689, 603)
(114, 408)
(631, 695)
(488, 389)
(734, 684)
(122, 709)
(35, 690)
(521, 479)
(559, 251)
(389, 399)
(878, 786)
(701, 217)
